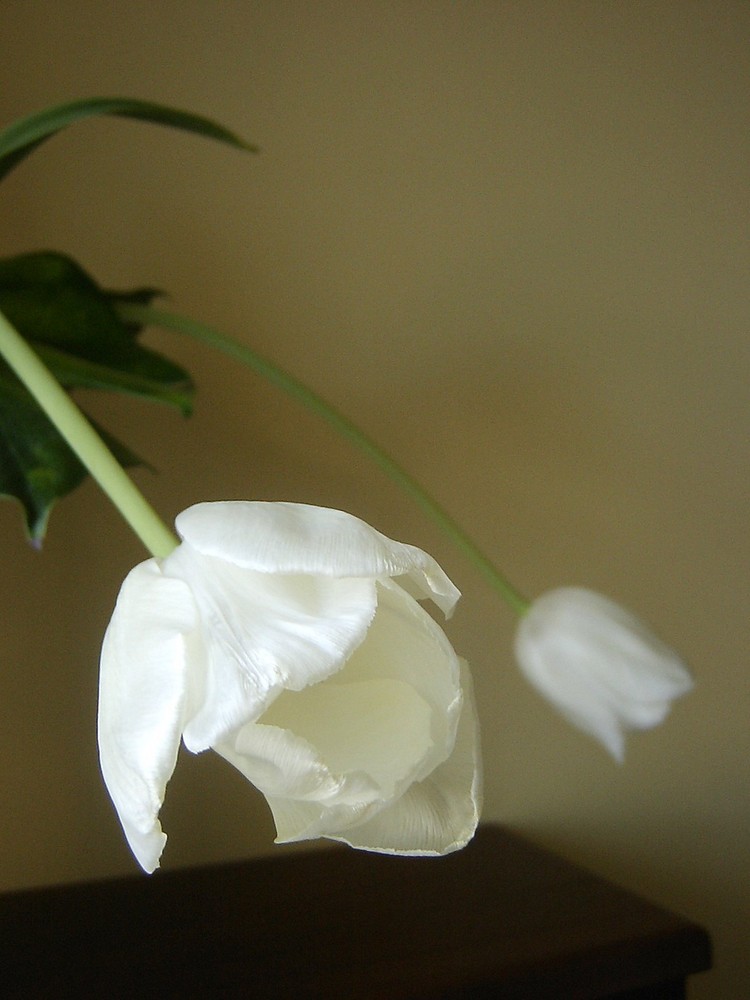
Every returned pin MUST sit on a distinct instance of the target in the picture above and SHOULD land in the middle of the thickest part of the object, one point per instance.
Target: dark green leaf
(22, 137)
(36, 465)
(74, 327)
(137, 297)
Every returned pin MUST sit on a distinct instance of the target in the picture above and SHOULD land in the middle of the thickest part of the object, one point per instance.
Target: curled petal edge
(300, 538)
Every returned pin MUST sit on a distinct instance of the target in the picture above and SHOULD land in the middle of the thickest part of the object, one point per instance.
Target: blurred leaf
(22, 137)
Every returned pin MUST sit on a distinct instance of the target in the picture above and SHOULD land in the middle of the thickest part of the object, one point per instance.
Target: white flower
(288, 639)
(598, 664)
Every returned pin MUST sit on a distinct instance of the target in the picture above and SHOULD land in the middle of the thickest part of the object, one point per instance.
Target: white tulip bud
(602, 668)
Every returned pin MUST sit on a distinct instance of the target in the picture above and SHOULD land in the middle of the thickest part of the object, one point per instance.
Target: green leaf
(22, 137)
(37, 467)
(74, 327)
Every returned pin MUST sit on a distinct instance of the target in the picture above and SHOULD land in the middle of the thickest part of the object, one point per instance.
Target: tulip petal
(142, 693)
(405, 643)
(440, 814)
(299, 538)
(379, 727)
(378, 738)
(264, 633)
(330, 755)
(282, 764)
(333, 753)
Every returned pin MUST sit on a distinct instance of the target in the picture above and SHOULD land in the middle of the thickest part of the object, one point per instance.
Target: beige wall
(512, 240)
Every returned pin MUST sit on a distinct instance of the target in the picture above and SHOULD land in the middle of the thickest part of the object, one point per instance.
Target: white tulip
(604, 670)
(288, 639)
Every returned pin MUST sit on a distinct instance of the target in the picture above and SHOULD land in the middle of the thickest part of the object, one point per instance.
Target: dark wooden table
(500, 919)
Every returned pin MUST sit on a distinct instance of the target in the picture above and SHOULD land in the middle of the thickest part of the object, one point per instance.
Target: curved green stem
(85, 442)
(303, 394)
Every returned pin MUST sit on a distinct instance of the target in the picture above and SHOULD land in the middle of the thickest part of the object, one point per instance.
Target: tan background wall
(511, 239)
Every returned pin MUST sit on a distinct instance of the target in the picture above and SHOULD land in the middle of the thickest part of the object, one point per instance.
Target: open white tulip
(598, 664)
(289, 639)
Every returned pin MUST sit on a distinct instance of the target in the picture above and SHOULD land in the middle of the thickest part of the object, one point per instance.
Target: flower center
(380, 726)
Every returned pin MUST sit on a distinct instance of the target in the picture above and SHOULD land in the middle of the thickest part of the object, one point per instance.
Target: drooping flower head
(604, 670)
(290, 640)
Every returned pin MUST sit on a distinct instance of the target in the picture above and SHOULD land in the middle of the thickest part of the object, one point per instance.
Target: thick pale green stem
(272, 373)
(85, 442)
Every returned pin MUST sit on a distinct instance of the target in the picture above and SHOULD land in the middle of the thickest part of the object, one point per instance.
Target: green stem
(303, 394)
(85, 442)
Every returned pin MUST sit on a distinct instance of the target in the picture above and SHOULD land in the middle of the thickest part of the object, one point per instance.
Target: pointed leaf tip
(19, 139)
